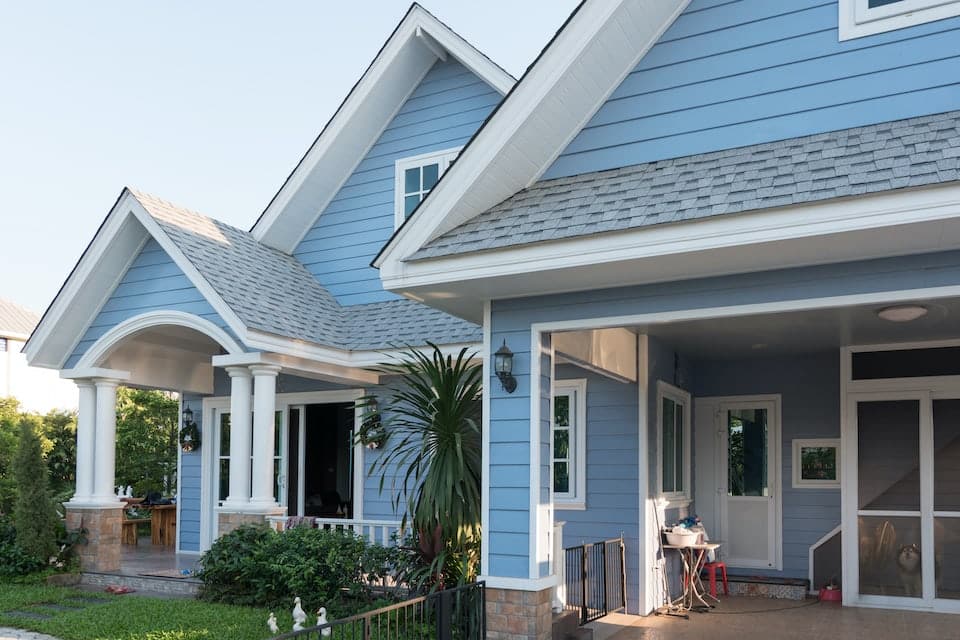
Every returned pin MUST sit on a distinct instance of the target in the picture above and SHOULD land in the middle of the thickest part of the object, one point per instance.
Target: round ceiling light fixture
(902, 313)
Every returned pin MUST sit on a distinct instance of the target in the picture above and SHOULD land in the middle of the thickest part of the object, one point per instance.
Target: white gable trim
(116, 245)
(586, 62)
(417, 43)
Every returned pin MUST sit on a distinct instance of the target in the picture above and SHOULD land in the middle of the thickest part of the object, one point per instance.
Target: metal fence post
(603, 575)
(445, 615)
(583, 584)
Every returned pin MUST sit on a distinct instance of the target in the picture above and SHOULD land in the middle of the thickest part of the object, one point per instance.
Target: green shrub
(34, 515)
(14, 561)
(254, 565)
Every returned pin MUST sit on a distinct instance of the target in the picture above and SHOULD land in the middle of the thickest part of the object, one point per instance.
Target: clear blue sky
(208, 104)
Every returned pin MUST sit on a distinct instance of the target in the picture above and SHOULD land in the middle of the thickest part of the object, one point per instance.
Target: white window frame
(681, 397)
(577, 497)
(443, 158)
(798, 446)
(857, 19)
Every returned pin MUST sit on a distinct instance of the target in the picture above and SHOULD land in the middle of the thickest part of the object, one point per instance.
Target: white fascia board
(369, 108)
(87, 288)
(538, 120)
(836, 224)
(303, 367)
(94, 372)
(329, 355)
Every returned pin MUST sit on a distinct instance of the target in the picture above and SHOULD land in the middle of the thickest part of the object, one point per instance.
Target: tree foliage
(147, 440)
(432, 457)
(34, 514)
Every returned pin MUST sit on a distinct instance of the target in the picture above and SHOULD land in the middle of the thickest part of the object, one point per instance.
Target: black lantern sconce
(189, 433)
(503, 365)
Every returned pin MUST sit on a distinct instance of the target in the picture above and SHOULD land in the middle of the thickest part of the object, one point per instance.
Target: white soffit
(589, 58)
(416, 44)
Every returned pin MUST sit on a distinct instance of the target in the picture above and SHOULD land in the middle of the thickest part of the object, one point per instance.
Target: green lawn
(130, 617)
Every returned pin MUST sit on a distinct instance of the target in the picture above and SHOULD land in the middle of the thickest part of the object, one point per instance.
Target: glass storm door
(749, 485)
(908, 498)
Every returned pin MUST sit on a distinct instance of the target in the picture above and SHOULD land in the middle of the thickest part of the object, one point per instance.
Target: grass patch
(131, 617)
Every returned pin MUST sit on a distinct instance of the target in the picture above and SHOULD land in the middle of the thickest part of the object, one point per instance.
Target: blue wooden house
(720, 241)
(271, 335)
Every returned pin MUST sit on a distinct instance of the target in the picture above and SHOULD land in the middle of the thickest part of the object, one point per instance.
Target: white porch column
(240, 438)
(264, 408)
(86, 423)
(105, 441)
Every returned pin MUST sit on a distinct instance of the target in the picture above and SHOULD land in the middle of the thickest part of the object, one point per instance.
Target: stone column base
(101, 553)
(227, 521)
(519, 615)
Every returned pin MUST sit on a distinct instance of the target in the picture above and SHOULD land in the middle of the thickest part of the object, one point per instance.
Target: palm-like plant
(432, 455)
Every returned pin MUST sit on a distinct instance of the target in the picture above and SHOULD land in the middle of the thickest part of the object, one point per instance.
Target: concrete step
(566, 626)
(145, 585)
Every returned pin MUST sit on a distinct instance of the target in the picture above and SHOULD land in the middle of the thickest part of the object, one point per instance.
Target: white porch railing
(376, 531)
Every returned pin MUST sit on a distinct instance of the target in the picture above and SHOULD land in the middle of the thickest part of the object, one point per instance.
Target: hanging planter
(189, 434)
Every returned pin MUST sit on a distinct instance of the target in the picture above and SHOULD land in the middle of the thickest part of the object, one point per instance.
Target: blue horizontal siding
(153, 282)
(726, 75)
(443, 112)
(613, 506)
(189, 484)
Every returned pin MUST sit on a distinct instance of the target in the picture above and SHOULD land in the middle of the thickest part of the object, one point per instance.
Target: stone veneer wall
(519, 615)
(102, 551)
(230, 521)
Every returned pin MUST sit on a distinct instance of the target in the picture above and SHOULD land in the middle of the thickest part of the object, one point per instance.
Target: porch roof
(272, 291)
(864, 160)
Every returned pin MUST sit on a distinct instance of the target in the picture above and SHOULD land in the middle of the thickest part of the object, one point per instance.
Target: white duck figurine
(272, 624)
(299, 615)
(322, 620)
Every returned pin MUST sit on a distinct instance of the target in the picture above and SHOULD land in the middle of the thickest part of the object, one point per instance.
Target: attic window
(415, 177)
(860, 18)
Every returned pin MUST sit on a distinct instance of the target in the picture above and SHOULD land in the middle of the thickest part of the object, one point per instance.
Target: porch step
(566, 627)
(767, 587)
(145, 585)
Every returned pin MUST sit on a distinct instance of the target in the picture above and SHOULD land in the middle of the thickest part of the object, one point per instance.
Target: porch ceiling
(805, 331)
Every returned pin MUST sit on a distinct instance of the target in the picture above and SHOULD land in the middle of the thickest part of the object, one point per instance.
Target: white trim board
(886, 224)
(414, 46)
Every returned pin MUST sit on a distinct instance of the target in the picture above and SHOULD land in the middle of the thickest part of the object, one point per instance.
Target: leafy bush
(254, 565)
(14, 561)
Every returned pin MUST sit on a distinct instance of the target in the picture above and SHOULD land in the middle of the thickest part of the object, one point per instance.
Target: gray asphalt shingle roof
(870, 159)
(16, 320)
(272, 291)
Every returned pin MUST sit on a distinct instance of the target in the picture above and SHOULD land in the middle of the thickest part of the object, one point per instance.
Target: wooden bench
(128, 534)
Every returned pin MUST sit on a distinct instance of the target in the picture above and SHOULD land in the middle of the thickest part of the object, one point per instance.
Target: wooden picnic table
(163, 524)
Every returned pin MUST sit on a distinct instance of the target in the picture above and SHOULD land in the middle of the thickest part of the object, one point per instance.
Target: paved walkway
(745, 618)
(16, 634)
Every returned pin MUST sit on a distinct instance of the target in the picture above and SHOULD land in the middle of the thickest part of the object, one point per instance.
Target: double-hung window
(673, 443)
(568, 444)
(415, 177)
(866, 17)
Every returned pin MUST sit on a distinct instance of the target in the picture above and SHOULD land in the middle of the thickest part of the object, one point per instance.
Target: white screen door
(749, 483)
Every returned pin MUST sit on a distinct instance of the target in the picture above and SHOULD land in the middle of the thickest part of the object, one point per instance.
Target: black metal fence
(452, 614)
(596, 582)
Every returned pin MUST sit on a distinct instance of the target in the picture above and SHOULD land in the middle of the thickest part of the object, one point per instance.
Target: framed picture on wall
(816, 463)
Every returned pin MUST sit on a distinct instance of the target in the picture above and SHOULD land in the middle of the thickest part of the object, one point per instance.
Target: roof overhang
(408, 54)
(601, 43)
(103, 264)
(893, 223)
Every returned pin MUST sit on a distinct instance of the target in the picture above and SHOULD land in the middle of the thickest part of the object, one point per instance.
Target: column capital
(265, 370)
(84, 383)
(106, 383)
(238, 372)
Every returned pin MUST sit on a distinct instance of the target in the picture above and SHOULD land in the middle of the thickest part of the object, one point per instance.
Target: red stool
(711, 568)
